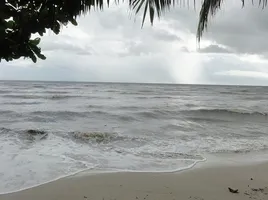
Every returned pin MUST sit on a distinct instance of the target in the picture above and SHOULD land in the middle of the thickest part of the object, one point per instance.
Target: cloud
(249, 74)
(166, 36)
(66, 46)
(243, 30)
(214, 48)
(112, 46)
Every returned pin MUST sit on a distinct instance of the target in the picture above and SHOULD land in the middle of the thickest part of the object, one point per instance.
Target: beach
(202, 183)
(164, 141)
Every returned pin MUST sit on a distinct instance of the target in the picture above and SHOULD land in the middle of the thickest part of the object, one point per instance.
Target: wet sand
(210, 183)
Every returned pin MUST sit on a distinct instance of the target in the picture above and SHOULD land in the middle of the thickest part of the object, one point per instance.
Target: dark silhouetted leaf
(151, 11)
(74, 22)
(41, 56)
(56, 28)
(145, 11)
(36, 41)
(10, 24)
(33, 57)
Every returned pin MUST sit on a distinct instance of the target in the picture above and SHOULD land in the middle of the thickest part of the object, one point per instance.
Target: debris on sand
(235, 191)
(257, 189)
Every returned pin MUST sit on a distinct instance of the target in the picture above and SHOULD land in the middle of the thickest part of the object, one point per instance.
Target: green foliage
(20, 19)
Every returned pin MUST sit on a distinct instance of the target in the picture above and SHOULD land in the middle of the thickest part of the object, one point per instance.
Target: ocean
(53, 129)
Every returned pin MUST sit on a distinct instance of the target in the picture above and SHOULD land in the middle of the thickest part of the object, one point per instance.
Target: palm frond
(210, 8)
(152, 6)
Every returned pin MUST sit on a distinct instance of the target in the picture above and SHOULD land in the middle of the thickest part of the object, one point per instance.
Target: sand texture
(209, 183)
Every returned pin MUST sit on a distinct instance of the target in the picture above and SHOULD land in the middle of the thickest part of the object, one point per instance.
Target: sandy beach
(209, 183)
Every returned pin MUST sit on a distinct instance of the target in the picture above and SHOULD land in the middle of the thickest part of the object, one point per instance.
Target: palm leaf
(210, 8)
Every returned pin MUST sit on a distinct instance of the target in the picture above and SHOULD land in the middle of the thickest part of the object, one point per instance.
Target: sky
(111, 46)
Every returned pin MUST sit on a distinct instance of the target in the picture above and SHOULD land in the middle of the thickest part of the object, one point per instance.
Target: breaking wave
(22, 103)
(52, 97)
(170, 155)
(59, 97)
(226, 111)
(62, 115)
(17, 96)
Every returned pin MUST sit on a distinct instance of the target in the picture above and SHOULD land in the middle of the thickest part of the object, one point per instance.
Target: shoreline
(92, 172)
(205, 182)
(209, 161)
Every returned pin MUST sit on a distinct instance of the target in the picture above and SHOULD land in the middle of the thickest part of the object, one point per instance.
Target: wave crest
(170, 155)
(59, 97)
(227, 111)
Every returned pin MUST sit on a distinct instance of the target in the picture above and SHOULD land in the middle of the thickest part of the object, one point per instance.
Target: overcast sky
(111, 46)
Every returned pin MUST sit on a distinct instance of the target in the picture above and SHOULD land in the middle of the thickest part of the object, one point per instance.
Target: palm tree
(20, 19)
